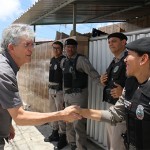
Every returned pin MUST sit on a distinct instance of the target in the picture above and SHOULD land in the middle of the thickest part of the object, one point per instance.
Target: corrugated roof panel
(87, 11)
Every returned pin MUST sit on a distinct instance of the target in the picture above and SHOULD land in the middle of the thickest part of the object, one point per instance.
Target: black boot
(53, 137)
(62, 141)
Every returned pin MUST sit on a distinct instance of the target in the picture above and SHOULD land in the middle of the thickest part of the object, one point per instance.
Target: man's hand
(11, 133)
(103, 79)
(71, 113)
(117, 91)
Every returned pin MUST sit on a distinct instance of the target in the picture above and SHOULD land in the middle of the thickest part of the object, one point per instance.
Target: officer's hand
(103, 79)
(72, 113)
(117, 91)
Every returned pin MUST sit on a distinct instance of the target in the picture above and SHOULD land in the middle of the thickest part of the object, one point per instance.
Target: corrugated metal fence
(100, 56)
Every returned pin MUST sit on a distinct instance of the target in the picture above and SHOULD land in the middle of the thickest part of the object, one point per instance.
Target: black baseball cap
(71, 42)
(119, 35)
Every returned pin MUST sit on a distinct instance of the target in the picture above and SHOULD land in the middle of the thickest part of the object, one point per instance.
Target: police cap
(140, 45)
(119, 35)
(71, 42)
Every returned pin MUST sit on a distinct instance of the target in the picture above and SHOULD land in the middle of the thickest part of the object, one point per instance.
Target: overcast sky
(12, 9)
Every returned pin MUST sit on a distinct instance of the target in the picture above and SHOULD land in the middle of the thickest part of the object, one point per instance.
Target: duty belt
(55, 87)
(73, 90)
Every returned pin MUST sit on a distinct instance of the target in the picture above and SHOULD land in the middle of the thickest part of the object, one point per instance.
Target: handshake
(71, 113)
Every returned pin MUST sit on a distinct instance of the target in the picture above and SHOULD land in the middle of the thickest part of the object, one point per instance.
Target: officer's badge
(55, 67)
(140, 112)
(116, 69)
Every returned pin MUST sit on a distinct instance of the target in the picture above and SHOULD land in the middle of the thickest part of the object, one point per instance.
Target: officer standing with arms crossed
(17, 45)
(76, 69)
(114, 81)
(56, 95)
(134, 103)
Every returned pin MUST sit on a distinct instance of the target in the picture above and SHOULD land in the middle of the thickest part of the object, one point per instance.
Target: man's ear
(144, 59)
(124, 41)
(10, 47)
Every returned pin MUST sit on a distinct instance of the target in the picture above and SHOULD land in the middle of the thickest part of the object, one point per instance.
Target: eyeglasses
(56, 48)
(29, 45)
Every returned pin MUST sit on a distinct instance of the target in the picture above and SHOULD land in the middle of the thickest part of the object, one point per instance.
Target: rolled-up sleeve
(116, 113)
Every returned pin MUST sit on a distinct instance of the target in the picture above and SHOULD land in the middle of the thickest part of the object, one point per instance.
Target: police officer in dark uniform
(114, 81)
(76, 69)
(137, 97)
(134, 104)
(56, 95)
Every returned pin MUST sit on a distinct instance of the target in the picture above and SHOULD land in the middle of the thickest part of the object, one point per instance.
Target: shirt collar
(120, 56)
(11, 62)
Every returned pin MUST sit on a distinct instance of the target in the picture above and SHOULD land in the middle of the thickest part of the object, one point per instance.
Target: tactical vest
(73, 78)
(116, 74)
(137, 108)
(55, 72)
